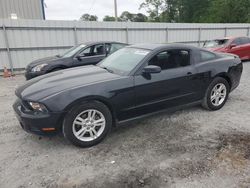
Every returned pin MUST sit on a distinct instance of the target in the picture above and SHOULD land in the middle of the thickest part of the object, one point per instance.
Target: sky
(73, 9)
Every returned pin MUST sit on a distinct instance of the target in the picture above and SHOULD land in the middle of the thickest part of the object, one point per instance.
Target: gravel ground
(188, 148)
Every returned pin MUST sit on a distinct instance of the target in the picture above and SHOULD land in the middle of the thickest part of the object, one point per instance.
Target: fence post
(248, 32)
(75, 35)
(127, 36)
(8, 48)
(166, 34)
(199, 35)
(225, 31)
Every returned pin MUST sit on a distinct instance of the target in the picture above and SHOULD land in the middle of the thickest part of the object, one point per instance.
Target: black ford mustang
(89, 53)
(85, 102)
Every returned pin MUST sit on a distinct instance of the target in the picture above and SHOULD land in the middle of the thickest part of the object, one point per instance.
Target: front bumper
(35, 123)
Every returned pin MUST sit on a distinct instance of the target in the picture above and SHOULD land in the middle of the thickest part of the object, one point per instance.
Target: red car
(236, 45)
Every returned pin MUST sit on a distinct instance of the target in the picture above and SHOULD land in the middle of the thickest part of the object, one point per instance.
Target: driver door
(173, 86)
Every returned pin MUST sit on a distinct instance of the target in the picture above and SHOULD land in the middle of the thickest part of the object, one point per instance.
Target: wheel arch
(93, 98)
(226, 77)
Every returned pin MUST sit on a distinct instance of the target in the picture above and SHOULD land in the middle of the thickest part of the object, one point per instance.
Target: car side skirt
(169, 110)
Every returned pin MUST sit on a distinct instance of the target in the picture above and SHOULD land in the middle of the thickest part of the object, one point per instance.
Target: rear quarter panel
(225, 66)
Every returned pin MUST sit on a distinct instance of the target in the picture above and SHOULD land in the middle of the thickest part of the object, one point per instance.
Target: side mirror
(232, 46)
(79, 57)
(151, 69)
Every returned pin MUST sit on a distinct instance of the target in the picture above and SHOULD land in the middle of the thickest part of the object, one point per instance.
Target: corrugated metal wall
(22, 41)
(24, 9)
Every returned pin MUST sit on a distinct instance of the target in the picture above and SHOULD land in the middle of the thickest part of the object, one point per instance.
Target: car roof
(163, 46)
(100, 42)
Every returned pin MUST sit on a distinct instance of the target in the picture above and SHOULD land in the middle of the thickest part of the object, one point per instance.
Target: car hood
(56, 82)
(48, 60)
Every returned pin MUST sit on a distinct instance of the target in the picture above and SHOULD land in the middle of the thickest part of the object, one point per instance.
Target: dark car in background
(82, 54)
(239, 46)
(139, 80)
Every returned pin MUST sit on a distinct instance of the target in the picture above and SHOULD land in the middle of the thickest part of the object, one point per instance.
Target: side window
(237, 41)
(245, 40)
(86, 52)
(99, 49)
(171, 59)
(206, 56)
(93, 50)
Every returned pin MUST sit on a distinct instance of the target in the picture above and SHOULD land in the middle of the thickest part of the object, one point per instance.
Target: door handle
(189, 73)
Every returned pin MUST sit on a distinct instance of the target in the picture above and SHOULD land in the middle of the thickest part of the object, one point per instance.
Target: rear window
(215, 43)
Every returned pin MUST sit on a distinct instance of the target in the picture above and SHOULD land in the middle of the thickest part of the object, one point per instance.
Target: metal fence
(22, 41)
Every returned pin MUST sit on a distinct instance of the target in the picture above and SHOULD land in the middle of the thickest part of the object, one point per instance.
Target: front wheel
(87, 124)
(216, 94)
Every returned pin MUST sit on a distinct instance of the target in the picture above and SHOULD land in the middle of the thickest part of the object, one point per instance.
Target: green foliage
(127, 16)
(88, 17)
(186, 11)
(109, 18)
(229, 11)
(195, 11)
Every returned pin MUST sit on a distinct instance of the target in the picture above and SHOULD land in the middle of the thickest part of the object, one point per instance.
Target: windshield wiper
(109, 70)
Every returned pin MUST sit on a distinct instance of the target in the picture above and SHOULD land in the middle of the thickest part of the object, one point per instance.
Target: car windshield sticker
(141, 52)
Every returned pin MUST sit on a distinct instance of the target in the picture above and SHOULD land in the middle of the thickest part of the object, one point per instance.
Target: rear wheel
(216, 94)
(87, 124)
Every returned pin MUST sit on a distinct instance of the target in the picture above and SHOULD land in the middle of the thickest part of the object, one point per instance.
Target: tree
(140, 18)
(109, 18)
(88, 17)
(153, 7)
(229, 11)
(127, 16)
(193, 11)
(189, 11)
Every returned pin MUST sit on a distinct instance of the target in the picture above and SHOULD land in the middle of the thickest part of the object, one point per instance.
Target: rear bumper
(235, 74)
(35, 123)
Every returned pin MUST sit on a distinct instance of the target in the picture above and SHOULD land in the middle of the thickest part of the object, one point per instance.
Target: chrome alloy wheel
(89, 125)
(218, 94)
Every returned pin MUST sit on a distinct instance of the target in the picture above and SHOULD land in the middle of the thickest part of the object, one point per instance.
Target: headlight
(38, 68)
(38, 107)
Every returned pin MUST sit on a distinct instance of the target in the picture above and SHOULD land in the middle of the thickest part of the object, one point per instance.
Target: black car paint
(128, 97)
(57, 62)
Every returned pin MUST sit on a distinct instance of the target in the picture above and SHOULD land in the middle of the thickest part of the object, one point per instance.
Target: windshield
(215, 43)
(123, 61)
(72, 51)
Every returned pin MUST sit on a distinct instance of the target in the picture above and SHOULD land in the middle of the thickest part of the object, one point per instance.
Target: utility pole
(115, 4)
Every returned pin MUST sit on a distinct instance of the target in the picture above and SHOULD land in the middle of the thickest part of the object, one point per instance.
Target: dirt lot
(189, 148)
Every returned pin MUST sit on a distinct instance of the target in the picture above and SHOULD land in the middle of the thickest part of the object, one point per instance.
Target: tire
(214, 99)
(87, 124)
